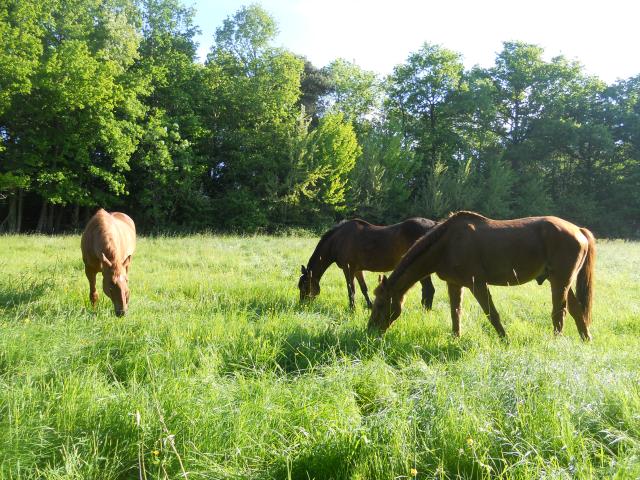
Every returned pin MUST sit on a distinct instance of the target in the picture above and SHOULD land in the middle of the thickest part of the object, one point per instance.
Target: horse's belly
(516, 275)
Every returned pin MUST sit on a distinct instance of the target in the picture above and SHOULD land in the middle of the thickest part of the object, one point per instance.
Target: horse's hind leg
(455, 299)
(576, 311)
(93, 293)
(428, 290)
(481, 292)
(351, 288)
(559, 292)
(363, 287)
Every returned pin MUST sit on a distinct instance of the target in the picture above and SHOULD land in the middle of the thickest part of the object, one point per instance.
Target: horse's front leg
(93, 292)
(428, 290)
(363, 287)
(455, 299)
(351, 288)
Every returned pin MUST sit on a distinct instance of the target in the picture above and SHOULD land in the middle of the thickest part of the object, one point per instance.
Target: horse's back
(107, 233)
(127, 229)
(510, 251)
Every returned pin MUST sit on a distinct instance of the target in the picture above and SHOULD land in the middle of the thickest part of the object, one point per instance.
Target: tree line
(104, 103)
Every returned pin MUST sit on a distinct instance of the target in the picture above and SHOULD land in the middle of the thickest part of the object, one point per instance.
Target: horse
(356, 245)
(473, 251)
(107, 244)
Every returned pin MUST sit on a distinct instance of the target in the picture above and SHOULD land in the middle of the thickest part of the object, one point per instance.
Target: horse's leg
(559, 293)
(576, 311)
(428, 290)
(91, 276)
(351, 288)
(363, 287)
(481, 292)
(455, 299)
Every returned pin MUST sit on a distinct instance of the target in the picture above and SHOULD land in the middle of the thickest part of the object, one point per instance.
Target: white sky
(379, 34)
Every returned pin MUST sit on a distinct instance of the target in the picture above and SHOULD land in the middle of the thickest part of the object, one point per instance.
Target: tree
(75, 130)
(321, 162)
(167, 169)
(253, 93)
(353, 91)
(419, 97)
(20, 48)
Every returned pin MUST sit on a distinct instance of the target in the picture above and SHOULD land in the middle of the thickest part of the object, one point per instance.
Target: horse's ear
(303, 270)
(106, 261)
(126, 262)
(383, 281)
(379, 278)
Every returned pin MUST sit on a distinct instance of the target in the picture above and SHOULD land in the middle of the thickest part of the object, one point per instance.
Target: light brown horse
(107, 244)
(356, 245)
(469, 250)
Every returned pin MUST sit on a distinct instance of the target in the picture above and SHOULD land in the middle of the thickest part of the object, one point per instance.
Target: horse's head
(308, 285)
(115, 283)
(386, 308)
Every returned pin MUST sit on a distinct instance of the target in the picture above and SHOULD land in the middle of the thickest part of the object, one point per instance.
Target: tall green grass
(218, 373)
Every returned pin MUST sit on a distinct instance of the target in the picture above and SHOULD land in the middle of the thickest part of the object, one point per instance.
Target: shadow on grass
(261, 306)
(23, 291)
(334, 458)
(303, 350)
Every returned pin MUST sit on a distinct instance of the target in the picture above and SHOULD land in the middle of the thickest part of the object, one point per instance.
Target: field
(217, 372)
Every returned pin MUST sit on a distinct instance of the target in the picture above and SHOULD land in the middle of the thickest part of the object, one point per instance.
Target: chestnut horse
(356, 245)
(107, 244)
(469, 250)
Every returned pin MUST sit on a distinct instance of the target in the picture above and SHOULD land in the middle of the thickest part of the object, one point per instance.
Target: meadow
(217, 372)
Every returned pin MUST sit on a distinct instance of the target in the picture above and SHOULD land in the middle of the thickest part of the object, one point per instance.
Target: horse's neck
(400, 282)
(320, 261)
(407, 274)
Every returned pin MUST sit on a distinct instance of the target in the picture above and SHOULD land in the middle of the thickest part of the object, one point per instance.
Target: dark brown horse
(469, 250)
(356, 245)
(107, 244)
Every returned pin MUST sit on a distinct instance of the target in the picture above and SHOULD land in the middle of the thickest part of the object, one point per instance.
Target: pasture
(217, 372)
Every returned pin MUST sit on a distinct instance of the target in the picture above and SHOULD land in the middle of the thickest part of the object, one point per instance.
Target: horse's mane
(466, 213)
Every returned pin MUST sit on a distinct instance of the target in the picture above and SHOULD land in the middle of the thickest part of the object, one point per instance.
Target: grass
(218, 373)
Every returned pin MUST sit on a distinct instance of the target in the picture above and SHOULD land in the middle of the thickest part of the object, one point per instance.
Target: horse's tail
(584, 284)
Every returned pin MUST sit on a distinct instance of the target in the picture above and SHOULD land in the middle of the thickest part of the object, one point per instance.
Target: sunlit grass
(217, 372)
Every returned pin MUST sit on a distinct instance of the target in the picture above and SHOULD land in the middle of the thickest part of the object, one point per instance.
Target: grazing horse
(107, 244)
(356, 245)
(469, 250)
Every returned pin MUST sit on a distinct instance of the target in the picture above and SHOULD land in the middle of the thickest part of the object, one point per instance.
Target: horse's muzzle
(120, 313)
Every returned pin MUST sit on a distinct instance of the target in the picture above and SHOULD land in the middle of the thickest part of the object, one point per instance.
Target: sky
(379, 34)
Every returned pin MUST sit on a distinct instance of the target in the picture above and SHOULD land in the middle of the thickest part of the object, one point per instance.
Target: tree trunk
(58, 219)
(86, 215)
(50, 218)
(9, 223)
(20, 203)
(42, 220)
(75, 219)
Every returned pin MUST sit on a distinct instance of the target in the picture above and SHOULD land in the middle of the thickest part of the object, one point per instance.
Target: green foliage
(321, 163)
(354, 92)
(102, 103)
